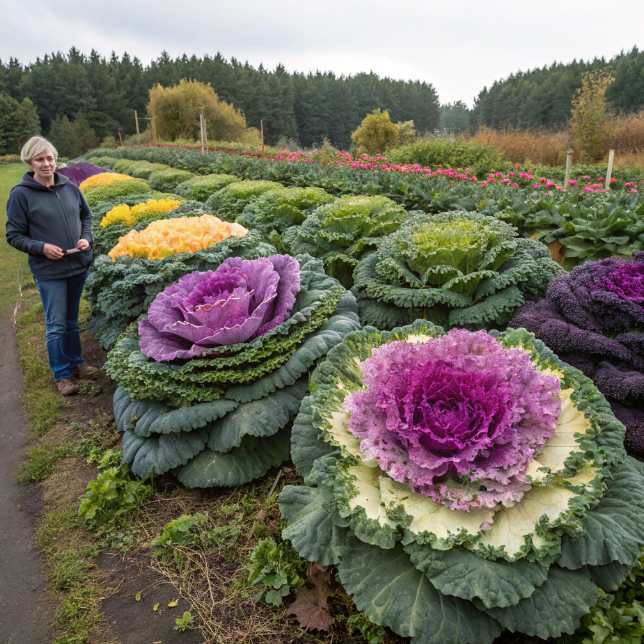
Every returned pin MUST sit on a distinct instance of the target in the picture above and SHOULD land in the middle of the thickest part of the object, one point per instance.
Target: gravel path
(23, 617)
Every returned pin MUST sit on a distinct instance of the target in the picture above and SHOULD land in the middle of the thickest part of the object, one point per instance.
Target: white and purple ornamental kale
(594, 319)
(463, 483)
(458, 407)
(241, 300)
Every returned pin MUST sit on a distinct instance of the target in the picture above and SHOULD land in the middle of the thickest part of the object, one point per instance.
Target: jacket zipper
(69, 230)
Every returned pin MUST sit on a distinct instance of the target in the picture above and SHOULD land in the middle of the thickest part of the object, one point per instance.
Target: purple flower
(456, 410)
(238, 302)
(78, 172)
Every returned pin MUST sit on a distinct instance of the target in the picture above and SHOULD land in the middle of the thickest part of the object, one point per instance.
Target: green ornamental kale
(282, 208)
(342, 232)
(168, 179)
(229, 202)
(222, 418)
(391, 492)
(121, 189)
(455, 269)
(200, 188)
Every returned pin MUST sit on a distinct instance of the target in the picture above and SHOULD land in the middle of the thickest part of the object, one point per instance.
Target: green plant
(376, 133)
(121, 189)
(184, 623)
(229, 202)
(166, 180)
(455, 269)
(277, 569)
(450, 153)
(179, 532)
(112, 496)
(371, 632)
(200, 188)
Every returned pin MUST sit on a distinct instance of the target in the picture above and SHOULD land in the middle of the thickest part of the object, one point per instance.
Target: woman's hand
(52, 252)
(83, 244)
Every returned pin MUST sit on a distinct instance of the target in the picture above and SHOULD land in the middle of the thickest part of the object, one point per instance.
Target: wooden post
(202, 126)
(609, 171)
(568, 166)
(262, 132)
(138, 136)
(120, 140)
(154, 130)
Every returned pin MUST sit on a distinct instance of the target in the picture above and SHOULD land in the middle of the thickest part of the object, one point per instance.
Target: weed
(179, 532)
(89, 388)
(184, 623)
(276, 569)
(372, 633)
(41, 462)
(112, 496)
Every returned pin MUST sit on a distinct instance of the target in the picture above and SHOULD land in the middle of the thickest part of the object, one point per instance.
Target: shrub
(341, 232)
(376, 133)
(453, 153)
(200, 188)
(118, 189)
(229, 202)
(532, 514)
(167, 237)
(455, 269)
(169, 179)
(527, 146)
(213, 401)
(282, 208)
(177, 109)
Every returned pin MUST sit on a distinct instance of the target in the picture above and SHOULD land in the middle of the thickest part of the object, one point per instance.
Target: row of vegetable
(464, 480)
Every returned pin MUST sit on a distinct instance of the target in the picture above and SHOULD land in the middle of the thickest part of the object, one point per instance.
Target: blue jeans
(61, 301)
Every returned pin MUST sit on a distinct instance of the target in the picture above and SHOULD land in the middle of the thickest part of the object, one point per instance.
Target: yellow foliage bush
(167, 237)
(123, 214)
(103, 179)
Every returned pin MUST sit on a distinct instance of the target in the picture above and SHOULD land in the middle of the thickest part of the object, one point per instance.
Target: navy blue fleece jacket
(59, 215)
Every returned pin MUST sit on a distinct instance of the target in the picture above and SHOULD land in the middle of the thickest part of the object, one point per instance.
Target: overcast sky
(458, 46)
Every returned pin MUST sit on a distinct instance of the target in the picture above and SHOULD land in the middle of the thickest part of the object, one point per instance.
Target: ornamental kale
(78, 172)
(458, 406)
(456, 269)
(342, 232)
(593, 318)
(229, 202)
(239, 301)
(200, 188)
(398, 439)
(221, 414)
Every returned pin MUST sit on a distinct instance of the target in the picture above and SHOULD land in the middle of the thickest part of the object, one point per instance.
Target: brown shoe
(67, 386)
(84, 370)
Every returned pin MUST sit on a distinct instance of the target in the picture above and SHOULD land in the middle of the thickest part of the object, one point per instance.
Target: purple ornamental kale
(593, 319)
(238, 302)
(78, 172)
(455, 410)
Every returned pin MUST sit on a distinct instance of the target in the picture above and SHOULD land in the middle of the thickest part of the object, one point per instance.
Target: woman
(48, 218)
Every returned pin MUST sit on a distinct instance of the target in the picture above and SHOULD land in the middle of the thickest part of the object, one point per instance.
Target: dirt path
(23, 618)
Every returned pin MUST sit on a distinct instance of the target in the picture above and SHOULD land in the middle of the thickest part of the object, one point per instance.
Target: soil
(25, 615)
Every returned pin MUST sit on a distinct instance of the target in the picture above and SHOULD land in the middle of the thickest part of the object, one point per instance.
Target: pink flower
(543, 179)
(572, 182)
(629, 184)
(633, 190)
(514, 185)
(536, 185)
(559, 188)
(517, 167)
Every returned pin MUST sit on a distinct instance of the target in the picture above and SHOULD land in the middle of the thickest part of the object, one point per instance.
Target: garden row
(462, 479)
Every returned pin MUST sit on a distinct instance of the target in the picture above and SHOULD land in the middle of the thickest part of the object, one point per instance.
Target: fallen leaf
(137, 597)
(173, 604)
(310, 609)
(155, 608)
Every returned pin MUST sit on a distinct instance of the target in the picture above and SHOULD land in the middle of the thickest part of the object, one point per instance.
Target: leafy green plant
(277, 569)
(179, 532)
(185, 622)
(342, 232)
(112, 496)
(229, 202)
(121, 189)
(200, 188)
(371, 632)
(166, 180)
(282, 208)
(454, 269)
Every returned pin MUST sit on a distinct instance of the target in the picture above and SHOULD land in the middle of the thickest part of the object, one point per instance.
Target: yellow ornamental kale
(456, 269)
(102, 180)
(129, 216)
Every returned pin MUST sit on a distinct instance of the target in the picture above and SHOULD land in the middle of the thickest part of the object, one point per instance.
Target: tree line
(542, 98)
(307, 108)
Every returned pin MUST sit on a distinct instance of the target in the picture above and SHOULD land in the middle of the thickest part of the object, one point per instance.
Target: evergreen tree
(18, 122)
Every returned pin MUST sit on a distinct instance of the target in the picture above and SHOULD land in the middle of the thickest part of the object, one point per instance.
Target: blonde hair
(34, 147)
